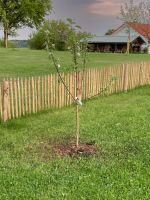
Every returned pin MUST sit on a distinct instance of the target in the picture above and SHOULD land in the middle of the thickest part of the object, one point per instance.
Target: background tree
(58, 32)
(144, 6)
(37, 40)
(18, 13)
(136, 13)
(145, 19)
(129, 12)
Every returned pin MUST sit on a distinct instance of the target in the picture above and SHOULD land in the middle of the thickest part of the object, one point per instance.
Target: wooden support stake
(78, 89)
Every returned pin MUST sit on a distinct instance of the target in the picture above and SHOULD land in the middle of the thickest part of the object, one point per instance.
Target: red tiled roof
(142, 29)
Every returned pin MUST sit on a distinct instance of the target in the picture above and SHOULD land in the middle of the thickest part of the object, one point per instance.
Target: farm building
(137, 34)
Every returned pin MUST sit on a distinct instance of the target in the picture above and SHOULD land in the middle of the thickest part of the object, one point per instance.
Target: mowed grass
(25, 62)
(120, 126)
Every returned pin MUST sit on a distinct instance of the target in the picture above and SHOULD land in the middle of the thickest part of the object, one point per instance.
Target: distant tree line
(15, 44)
(10, 44)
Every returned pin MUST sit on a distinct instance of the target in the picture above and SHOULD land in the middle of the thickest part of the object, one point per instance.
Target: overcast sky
(95, 16)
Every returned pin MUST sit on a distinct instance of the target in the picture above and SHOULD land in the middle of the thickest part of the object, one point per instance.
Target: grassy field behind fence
(25, 62)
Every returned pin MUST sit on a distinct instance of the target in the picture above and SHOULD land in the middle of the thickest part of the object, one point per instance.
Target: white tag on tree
(78, 101)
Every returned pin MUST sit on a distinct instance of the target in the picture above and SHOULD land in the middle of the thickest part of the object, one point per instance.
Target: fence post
(5, 100)
(125, 81)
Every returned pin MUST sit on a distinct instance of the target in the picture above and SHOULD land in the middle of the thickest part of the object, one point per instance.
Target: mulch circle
(73, 151)
(48, 150)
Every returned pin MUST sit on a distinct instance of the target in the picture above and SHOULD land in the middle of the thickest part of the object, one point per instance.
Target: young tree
(79, 56)
(130, 12)
(18, 13)
(78, 50)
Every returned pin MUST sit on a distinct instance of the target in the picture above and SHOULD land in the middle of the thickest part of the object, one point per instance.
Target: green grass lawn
(25, 62)
(120, 171)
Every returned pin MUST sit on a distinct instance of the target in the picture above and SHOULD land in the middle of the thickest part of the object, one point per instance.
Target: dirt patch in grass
(73, 151)
(47, 150)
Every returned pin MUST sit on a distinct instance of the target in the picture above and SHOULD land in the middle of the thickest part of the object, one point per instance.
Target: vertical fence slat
(9, 101)
(67, 95)
(1, 103)
(39, 94)
(56, 90)
(19, 96)
(125, 84)
(6, 100)
(16, 98)
(45, 91)
(62, 92)
(48, 91)
(42, 92)
(26, 95)
(36, 94)
(33, 95)
(29, 95)
(22, 96)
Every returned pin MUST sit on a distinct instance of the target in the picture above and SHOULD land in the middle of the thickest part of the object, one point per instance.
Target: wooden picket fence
(22, 96)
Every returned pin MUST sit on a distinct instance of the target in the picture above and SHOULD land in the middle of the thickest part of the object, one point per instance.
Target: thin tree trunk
(5, 38)
(129, 43)
(148, 47)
